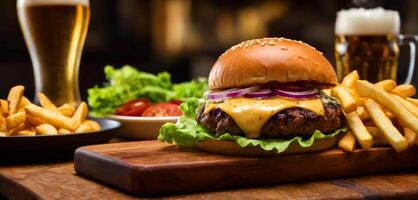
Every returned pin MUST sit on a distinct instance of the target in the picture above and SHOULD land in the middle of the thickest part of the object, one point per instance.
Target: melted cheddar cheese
(251, 114)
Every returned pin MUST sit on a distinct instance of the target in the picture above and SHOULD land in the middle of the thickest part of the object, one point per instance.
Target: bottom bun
(232, 148)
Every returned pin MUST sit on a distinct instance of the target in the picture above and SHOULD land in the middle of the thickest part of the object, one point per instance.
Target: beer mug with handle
(55, 31)
(367, 40)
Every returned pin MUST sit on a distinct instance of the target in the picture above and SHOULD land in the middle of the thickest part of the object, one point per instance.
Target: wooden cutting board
(152, 168)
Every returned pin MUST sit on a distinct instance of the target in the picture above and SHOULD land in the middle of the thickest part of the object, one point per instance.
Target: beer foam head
(360, 21)
(52, 2)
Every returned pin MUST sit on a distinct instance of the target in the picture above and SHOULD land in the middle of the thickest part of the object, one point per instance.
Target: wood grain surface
(59, 181)
(150, 168)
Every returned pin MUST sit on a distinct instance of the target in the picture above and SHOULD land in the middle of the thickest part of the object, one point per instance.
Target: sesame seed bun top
(261, 61)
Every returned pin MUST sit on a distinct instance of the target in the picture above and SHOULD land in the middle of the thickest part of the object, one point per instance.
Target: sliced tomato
(162, 110)
(133, 107)
(176, 101)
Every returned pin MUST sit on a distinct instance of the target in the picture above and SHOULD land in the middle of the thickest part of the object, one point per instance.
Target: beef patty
(287, 123)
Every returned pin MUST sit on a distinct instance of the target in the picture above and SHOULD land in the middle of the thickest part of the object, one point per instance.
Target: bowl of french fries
(26, 126)
(379, 114)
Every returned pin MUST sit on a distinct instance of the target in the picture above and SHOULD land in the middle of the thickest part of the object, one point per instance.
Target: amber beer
(374, 57)
(55, 31)
(366, 40)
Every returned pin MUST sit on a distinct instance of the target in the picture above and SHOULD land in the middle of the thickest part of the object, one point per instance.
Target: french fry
(34, 121)
(387, 85)
(23, 103)
(67, 110)
(51, 117)
(84, 128)
(387, 112)
(391, 134)
(346, 100)
(63, 131)
(46, 129)
(3, 124)
(19, 128)
(350, 79)
(20, 110)
(367, 89)
(4, 107)
(378, 138)
(80, 114)
(94, 125)
(15, 120)
(18, 116)
(404, 90)
(14, 97)
(356, 97)
(27, 132)
(391, 116)
(362, 113)
(408, 105)
(410, 136)
(46, 103)
(412, 100)
(347, 143)
(359, 130)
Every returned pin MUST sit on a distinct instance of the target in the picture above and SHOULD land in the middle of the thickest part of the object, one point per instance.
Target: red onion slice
(265, 93)
(290, 88)
(296, 95)
(231, 93)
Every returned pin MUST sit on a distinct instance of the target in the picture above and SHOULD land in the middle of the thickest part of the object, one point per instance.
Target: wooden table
(59, 181)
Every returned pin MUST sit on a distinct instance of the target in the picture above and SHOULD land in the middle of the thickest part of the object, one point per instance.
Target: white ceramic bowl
(141, 128)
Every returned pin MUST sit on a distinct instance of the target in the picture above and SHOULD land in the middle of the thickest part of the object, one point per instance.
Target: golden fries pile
(377, 114)
(19, 117)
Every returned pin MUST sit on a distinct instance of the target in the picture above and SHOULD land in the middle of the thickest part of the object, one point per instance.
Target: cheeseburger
(265, 98)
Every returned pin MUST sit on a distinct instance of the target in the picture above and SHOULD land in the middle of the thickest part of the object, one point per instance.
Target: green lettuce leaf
(186, 132)
(128, 83)
(193, 88)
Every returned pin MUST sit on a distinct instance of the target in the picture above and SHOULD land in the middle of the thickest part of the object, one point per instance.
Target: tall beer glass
(367, 40)
(55, 31)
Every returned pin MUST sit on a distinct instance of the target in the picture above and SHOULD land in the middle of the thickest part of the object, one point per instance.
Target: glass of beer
(367, 40)
(55, 31)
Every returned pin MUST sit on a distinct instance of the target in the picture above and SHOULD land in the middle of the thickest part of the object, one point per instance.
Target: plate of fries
(377, 114)
(26, 128)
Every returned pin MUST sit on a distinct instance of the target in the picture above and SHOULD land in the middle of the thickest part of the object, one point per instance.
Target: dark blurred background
(185, 37)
